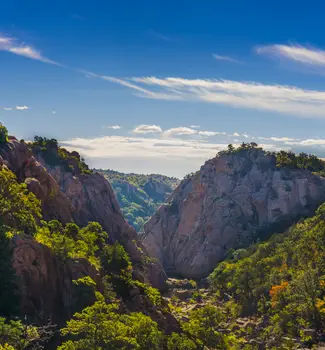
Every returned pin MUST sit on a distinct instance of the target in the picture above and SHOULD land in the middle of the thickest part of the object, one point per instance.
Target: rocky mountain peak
(237, 197)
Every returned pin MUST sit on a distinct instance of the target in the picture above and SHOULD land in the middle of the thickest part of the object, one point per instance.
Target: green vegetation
(19, 213)
(19, 209)
(101, 326)
(72, 242)
(282, 281)
(283, 159)
(3, 134)
(139, 195)
(275, 289)
(54, 155)
(301, 161)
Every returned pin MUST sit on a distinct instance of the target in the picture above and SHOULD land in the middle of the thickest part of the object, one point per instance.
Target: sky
(161, 86)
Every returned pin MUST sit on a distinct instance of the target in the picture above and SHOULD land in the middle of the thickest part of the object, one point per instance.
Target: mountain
(67, 192)
(240, 196)
(74, 274)
(139, 196)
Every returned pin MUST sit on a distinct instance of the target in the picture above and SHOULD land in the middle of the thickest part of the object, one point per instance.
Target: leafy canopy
(101, 327)
(19, 209)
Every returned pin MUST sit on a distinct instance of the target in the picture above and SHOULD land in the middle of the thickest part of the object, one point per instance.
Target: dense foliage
(101, 326)
(140, 195)
(3, 134)
(283, 159)
(282, 280)
(70, 241)
(54, 155)
(19, 208)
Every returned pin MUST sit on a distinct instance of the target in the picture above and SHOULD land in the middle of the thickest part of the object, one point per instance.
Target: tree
(203, 325)
(3, 134)
(9, 299)
(19, 209)
(180, 342)
(15, 335)
(101, 327)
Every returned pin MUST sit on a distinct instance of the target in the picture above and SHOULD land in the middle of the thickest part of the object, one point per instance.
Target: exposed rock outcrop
(233, 199)
(67, 196)
(45, 282)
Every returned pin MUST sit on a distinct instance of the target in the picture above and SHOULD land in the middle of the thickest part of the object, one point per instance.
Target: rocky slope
(139, 195)
(234, 199)
(66, 195)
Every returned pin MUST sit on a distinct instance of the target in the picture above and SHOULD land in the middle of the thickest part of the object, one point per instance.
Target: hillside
(65, 248)
(74, 275)
(139, 196)
(237, 198)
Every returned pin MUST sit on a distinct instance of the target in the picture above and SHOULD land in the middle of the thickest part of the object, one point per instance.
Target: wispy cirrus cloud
(252, 95)
(114, 127)
(12, 45)
(297, 53)
(17, 108)
(22, 108)
(225, 58)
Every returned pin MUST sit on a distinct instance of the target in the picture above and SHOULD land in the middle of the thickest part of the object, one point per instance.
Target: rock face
(232, 199)
(67, 196)
(45, 282)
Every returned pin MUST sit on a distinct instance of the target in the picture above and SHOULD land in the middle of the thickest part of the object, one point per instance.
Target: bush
(20, 210)
(3, 134)
(115, 259)
(70, 241)
(180, 342)
(100, 326)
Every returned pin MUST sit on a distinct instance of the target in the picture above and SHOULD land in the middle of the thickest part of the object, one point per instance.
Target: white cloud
(174, 157)
(12, 45)
(21, 108)
(114, 127)
(182, 130)
(278, 98)
(236, 134)
(281, 139)
(224, 58)
(210, 133)
(7, 108)
(195, 126)
(296, 53)
(147, 129)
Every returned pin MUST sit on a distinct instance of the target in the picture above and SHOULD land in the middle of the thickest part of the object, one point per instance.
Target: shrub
(3, 134)
(20, 210)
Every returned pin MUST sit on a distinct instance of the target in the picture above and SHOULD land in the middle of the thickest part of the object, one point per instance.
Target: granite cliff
(235, 199)
(68, 193)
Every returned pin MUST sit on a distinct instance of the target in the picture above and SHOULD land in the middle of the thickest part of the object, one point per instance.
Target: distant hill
(140, 195)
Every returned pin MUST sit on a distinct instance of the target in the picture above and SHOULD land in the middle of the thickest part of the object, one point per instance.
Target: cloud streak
(297, 53)
(252, 95)
(17, 108)
(225, 58)
(12, 45)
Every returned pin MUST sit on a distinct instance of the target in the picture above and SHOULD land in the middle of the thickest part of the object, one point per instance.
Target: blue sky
(161, 86)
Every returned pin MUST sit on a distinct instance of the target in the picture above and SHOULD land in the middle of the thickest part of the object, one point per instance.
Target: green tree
(180, 342)
(17, 335)
(3, 134)
(20, 210)
(101, 327)
(9, 299)
(203, 325)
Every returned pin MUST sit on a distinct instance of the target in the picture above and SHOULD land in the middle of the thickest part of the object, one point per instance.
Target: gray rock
(234, 199)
